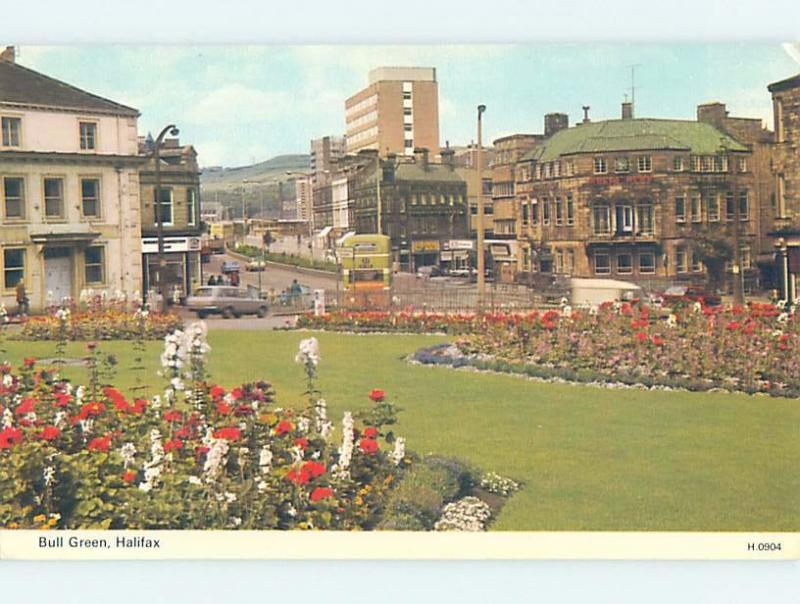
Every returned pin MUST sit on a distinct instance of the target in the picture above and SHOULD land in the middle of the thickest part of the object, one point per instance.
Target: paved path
(271, 278)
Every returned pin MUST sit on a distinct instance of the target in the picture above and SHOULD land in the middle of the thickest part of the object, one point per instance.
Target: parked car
(230, 266)
(676, 294)
(429, 271)
(256, 265)
(226, 301)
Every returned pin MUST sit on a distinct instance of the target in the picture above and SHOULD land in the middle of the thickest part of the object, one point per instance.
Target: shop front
(424, 252)
(181, 269)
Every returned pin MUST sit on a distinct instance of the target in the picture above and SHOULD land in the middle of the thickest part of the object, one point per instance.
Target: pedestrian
(22, 299)
(212, 280)
(235, 279)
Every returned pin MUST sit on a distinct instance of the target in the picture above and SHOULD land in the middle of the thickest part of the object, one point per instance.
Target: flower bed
(754, 349)
(197, 456)
(102, 321)
(398, 322)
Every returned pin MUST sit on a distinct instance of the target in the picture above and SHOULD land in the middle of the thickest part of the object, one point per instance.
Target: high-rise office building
(397, 112)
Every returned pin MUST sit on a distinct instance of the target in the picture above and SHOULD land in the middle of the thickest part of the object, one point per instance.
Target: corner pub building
(70, 215)
(626, 198)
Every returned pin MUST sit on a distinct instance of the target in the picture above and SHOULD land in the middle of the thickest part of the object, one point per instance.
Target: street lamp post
(782, 252)
(481, 259)
(244, 213)
(172, 130)
(738, 275)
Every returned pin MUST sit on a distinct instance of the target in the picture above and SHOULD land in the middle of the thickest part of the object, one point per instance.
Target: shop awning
(63, 233)
(324, 232)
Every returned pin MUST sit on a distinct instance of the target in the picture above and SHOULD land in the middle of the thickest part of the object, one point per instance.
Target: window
(569, 168)
(11, 131)
(745, 257)
(88, 134)
(54, 198)
(535, 213)
(90, 197)
(13, 267)
(677, 163)
(191, 206)
(706, 163)
(720, 163)
(712, 203)
(742, 164)
(545, 212)
(559, 211)
(600, 165)
(570, 210)
(681, 262)
(697, 208)
(569, 260)
(409, 143)
(524, 213)
(647, 263)
(556, 169)
(538, 172)
(166, 207)
(602, 264)
(407, 111)
(624, 264)
(93, 264)
(624, 216)
(601, 219)
(14, 195)
(780, 194)
(622, 164)
(408, 127)
(680, 209)
(696, 164)
(406, 96)
(697, 265)
(744, 205)
(645, 218)
(644, 163)
(548, 167)
(730, 209)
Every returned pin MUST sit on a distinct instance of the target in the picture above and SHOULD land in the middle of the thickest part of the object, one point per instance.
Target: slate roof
(644, 134)
(434, 173)
(793, 82)
(22, 86)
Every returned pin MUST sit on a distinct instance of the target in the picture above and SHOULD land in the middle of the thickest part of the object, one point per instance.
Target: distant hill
(268, 191)
(271, 169)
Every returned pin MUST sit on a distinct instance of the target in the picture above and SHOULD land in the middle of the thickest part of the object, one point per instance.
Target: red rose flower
(297, 476)
(370, 432)
(26, 406)
(641, 336)
(29, 361)
(49, 433)
(139, 405)
(129, 476)
(91, 345)
(10, 437)
(658, 341)
(230, 433)
(217, 391)
(236, 393)
(315, 469)
(321, 493)
(91, 409)
(173, 415)
(223, 408)
(183, 432)
(101, 443)
(301, 442)
(284, 427)
(376, 395)
(62, 399)
(368, 446)
(175, 443)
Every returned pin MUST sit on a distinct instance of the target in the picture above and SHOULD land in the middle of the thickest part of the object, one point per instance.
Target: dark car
(230, 266)
(678, 294)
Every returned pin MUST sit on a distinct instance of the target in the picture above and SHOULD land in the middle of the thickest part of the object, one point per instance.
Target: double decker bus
(366, 268)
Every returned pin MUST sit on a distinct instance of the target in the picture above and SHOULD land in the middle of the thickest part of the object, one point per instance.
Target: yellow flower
(13, 525)
(39, 518)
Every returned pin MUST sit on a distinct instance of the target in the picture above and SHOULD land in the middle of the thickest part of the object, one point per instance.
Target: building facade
(633, 199)
(397, 112)
(423, 205)
(304, 194)
(785, 235)
(69, 169)
(180, 218)
(325, 155)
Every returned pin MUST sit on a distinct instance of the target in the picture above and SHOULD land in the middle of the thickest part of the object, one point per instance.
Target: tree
(714, 251)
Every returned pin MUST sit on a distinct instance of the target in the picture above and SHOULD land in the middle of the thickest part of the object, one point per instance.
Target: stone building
(631, 198)
(69, 175)
(786, 172)
(180, 216)
(423, 204)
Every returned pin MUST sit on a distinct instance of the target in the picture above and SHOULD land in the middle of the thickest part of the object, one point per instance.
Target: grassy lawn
(590, 458)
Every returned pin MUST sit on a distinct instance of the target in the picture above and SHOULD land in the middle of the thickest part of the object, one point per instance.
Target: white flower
(262, 486)
(346, 449)
(672, 320)
(566, 311)
(230, 497)
(195, 480)
(215, 459)
(265, 459)
(8, 418)
(145, 486)
(399, 452)
(467, 514)
(308, 352)
(127, 451)
(303, 424)
(49, 475)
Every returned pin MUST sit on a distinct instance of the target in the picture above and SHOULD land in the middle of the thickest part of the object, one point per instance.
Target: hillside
(271, 169)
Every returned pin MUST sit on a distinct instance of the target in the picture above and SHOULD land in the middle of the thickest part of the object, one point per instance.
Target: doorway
(58, 274)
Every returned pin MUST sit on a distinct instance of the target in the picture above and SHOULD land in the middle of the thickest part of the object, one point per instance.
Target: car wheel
(227, 313)
(201, 314)
(262, 312)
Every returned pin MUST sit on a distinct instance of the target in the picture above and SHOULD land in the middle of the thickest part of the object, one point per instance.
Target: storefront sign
(459, 244)
(426, 245)
(171, 244)
(621, 179)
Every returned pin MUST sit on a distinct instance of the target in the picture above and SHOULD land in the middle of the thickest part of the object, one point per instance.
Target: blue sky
(239, 104)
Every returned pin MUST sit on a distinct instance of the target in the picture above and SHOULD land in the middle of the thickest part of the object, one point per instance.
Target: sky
(239, 104)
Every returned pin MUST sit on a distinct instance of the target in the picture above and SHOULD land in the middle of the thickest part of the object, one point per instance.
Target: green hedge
(284, 258)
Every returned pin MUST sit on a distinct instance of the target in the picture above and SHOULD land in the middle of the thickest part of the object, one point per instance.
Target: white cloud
(793, 50)
(241, 103)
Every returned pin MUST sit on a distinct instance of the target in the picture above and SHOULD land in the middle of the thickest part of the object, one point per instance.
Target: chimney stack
(9, 54)
(586, 119)
(627, 110)
(553, 122)
(421, 157)
(448, 158)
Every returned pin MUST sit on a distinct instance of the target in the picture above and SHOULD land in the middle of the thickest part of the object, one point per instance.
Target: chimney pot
(9, 54)
(553, 122)
(586, 119)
